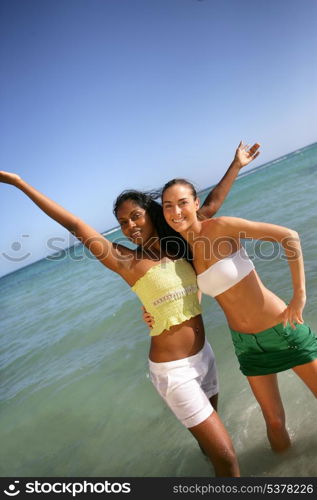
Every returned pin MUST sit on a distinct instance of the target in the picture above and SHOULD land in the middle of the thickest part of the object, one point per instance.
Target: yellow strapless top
(169, 292)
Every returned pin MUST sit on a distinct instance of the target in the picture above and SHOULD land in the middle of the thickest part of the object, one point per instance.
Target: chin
(139, 241)
(178, 228)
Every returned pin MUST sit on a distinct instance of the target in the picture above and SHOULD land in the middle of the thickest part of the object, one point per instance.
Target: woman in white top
(269, 336)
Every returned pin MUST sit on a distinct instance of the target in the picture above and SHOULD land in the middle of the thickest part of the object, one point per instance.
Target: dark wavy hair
(171, 242)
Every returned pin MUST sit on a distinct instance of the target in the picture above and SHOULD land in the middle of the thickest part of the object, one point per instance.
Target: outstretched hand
(245, 154)
(8, 177)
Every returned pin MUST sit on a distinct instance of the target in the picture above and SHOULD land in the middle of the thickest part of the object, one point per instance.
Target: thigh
(189, 402)
(209, 382)
(308, 373)
(212, 434)
(266, 391)
(182, 392)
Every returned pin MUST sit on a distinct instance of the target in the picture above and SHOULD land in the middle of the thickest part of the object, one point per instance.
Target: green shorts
(275, 349)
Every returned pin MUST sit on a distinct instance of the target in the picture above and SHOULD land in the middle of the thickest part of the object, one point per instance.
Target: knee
(227, 457)
(226, 463)
(276, 422)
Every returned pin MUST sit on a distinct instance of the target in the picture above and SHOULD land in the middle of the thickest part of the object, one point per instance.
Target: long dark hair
(171, 242)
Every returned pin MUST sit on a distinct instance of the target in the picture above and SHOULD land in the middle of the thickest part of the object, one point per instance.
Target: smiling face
(180, 207)
(135, 223)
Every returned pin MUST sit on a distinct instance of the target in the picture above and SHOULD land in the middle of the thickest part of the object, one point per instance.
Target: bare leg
(308, 373)
(214, 403)
(215, 440)
(265, 389)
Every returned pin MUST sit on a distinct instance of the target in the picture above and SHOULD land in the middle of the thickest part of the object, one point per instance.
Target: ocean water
(76, 399)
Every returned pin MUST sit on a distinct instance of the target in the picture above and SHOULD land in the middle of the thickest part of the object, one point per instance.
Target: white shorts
(187, 384)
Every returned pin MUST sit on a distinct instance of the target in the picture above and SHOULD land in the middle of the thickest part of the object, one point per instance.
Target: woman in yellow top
(182, 364)
(264, 342)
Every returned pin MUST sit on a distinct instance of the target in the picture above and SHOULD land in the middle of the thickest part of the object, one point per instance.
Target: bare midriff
(180, 341)
(250, 307)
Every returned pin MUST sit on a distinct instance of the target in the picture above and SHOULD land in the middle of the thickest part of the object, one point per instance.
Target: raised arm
(243, 156)
(287, 238)
(115, 257)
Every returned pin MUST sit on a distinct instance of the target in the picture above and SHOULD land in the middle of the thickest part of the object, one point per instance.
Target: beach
(76, 398)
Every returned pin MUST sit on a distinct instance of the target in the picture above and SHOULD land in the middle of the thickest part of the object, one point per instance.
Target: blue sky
(101, 95)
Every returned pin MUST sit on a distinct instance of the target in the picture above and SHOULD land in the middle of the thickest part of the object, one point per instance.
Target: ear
(197, 203)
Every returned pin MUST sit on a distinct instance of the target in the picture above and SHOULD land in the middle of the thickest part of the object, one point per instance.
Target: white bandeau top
(225, 273)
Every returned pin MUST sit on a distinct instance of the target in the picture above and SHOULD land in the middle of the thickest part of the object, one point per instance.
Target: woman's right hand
(9, 178)
(147, 318)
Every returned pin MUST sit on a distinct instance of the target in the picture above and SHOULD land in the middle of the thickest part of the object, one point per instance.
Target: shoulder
(215, 224)
(126, 259)
(224, 226)
(227, 222)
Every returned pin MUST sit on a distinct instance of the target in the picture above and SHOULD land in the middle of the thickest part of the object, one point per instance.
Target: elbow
(291, 243)
(293, 235)
(213, 208)
(210, 210)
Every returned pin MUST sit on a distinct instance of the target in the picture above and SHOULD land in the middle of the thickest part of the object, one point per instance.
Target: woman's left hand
(147, 318)
(245, 154)
(293, 312)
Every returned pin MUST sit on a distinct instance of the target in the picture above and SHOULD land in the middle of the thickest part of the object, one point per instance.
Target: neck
(192, 233)
(151, 248)
(153, 243)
